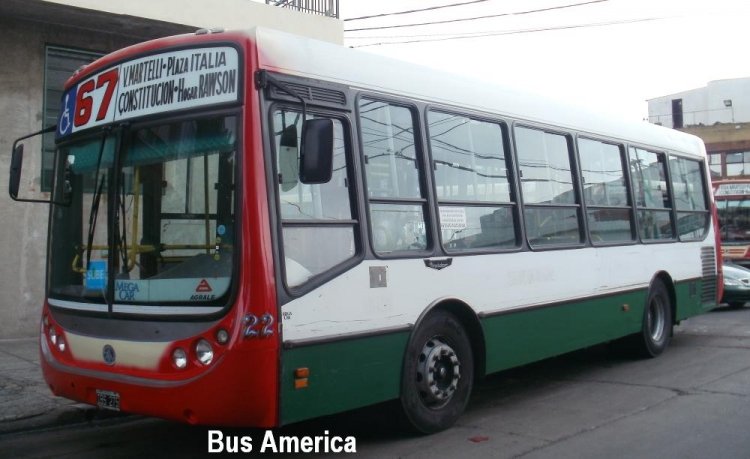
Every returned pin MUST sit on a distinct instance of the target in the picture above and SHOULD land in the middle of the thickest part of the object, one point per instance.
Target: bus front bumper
(238, 390)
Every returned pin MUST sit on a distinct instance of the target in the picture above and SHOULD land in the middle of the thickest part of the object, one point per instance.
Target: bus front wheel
(437, 375)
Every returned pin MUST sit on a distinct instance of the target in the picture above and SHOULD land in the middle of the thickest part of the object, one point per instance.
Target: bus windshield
(734, 220)
(157, 214)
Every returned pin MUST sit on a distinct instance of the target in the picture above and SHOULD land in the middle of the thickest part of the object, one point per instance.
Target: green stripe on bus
(528, 336)
(536, 334)
(357, 372)
(689, 299)
(343, 375)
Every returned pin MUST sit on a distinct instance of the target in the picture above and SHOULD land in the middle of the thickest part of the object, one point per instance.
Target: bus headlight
(61, 344)
(204, 352)
(53, 336)
(179, 358)
(222, 336)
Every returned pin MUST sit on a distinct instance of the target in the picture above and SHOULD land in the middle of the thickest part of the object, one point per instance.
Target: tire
(438, 374)
(656, 331)
(736, 304)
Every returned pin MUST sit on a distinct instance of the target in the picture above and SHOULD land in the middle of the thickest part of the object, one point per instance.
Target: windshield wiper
(97, 197)
(122, 239)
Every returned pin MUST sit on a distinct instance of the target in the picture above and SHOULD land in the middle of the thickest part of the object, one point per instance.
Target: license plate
(108, 400)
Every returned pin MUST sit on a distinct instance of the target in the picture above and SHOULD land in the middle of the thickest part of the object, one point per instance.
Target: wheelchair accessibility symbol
(64, 125)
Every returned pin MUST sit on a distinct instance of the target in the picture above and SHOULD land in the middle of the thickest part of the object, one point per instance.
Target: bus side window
(551, 208)
(317, 220)
(394, 182)
(649, 175)
(689, 190)
(472, 183)
(605, 191)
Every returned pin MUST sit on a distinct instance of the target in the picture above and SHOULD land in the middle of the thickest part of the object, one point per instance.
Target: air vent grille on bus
(708, 284)
(312, 94)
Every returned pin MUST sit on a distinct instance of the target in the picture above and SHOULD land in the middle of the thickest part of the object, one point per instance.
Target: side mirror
(16, 164)
(316, 158)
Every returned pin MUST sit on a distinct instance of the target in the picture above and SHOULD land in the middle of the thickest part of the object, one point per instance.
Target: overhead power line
(518, 13)
(415, 11)
(514, 32)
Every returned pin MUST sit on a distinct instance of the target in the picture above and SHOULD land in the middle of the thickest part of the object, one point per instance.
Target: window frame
(576, 188)
(720, 163)
(426, 201)
(624, 160)
(668, 180)
(228, 299)
(355, 222)
(514, 203)
(726, 163)
(702, 164)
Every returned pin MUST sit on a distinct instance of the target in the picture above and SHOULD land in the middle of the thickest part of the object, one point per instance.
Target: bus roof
(302, 56)
(291, 54)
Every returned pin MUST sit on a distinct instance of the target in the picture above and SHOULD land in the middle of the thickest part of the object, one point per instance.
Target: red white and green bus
(733, 206)
(252, 228)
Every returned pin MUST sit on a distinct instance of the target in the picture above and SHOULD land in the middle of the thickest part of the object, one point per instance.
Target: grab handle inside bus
(316, 156)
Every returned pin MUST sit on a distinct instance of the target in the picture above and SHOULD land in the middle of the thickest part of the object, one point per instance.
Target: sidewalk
(25, 400)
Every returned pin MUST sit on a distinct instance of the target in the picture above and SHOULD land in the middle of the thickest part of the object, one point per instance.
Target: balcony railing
(328, 8)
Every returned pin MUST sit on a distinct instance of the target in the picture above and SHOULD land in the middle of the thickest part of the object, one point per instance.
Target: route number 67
(85, 100)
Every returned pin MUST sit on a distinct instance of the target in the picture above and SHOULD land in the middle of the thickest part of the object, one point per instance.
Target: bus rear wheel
(656, 331)
(438, 374)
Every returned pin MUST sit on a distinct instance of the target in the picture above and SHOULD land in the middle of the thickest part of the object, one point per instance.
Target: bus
(733, 205)
(250, 228)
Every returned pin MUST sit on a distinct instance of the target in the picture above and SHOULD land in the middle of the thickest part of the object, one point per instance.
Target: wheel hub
(438, 372)
(655, 320)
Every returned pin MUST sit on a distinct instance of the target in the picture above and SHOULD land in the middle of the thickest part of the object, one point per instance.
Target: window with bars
(59, 65)
(738, 163)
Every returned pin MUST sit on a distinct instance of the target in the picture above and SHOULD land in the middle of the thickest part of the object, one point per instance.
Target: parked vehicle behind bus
(733, 205)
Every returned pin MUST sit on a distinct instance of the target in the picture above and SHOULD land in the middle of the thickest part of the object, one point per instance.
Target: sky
(606, 55)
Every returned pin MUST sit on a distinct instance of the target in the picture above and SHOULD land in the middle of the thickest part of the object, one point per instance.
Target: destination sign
(733, 189)
(160, 83)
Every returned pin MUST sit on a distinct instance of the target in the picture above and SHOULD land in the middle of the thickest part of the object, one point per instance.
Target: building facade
(718, 113)
(44, 42)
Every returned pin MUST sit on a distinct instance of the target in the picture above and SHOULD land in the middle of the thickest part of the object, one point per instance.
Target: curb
(78, 413)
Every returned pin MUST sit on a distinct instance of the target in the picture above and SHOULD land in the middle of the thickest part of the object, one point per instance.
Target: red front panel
(240, 386)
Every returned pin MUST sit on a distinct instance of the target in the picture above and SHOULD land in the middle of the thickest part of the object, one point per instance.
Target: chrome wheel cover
(656, 319)
(438, 372)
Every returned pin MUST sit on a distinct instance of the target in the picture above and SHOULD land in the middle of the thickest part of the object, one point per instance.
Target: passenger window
(551, 208)
(318, 228)
(390, 153)
(608, 210)
(649, 174)
(394, 182)
(688, 185)
(472, 183)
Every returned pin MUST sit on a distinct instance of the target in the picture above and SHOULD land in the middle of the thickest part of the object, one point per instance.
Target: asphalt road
(691, 402)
